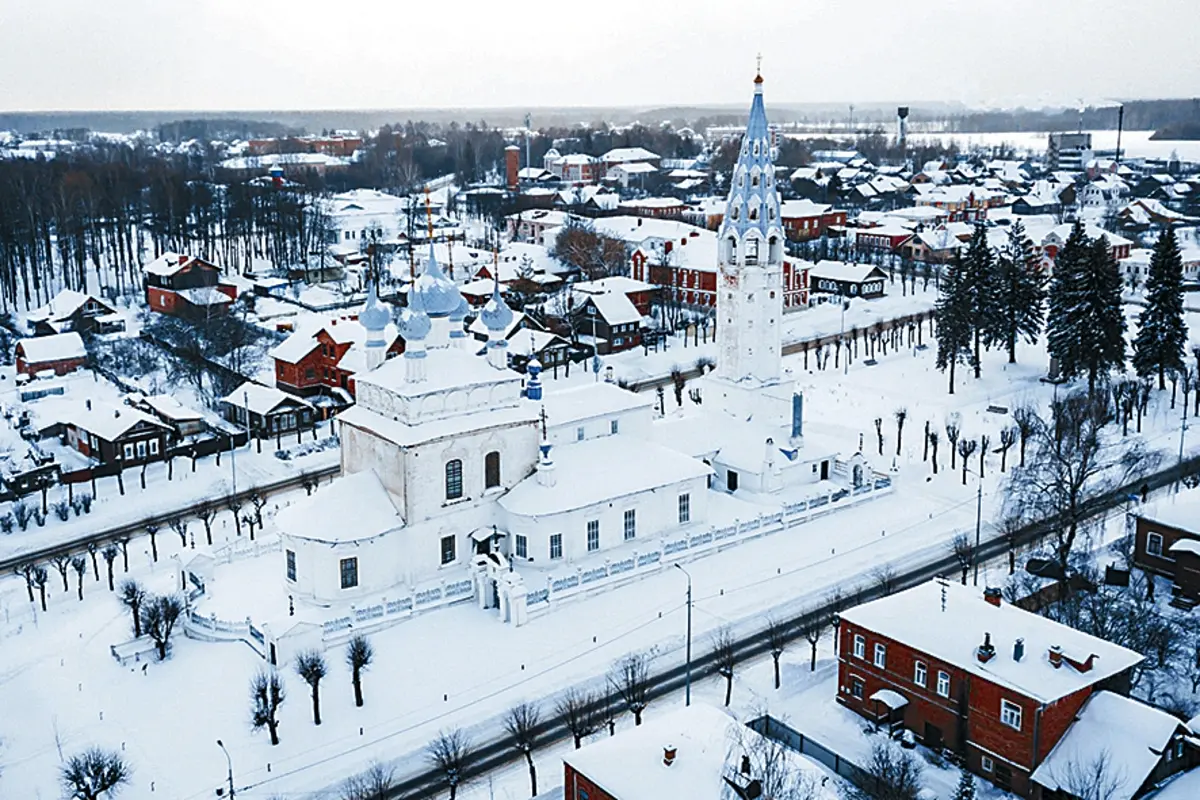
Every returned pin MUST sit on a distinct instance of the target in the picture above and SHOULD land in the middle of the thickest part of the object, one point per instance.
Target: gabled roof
(63, 305)
(261, 399)
(840, 271)
(323, 518)
(58, 347)
(948, 621)
(109, 421)
(615, 307)
(171, 263)
(1130, 735)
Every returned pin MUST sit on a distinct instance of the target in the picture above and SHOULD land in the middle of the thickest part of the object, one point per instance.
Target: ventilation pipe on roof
(1018, 649)
(986, 651)
(1056, 656)
(669, 755)
(992, 595)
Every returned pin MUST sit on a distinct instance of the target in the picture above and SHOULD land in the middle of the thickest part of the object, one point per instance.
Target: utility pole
(978, 520)
(687, 692)
(1182, 434)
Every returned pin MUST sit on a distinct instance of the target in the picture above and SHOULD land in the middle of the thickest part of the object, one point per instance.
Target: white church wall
(656, 512)
(318, 567)
(632, 422)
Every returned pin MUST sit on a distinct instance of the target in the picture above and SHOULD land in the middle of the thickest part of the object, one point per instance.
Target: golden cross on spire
(758, 67)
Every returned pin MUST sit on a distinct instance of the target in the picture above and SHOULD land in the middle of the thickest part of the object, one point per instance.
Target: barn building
(60, 353)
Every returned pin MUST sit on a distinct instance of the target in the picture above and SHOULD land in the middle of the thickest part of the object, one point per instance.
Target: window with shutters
(491, 469)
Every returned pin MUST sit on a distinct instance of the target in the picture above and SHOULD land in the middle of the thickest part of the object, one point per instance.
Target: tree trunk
(357, 679)
(532, 774)
(42, 592)
(110, 577)
(1012, 561)
(952, 375)
(316, 698)
(273, 727)
(775, 657)
(728, 688)
(637, 716)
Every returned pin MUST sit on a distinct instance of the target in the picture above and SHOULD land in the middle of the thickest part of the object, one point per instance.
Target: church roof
(599, 470)
(322, 517)
(753, 199)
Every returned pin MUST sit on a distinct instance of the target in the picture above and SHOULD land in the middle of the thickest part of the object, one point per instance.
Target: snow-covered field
(59, 686)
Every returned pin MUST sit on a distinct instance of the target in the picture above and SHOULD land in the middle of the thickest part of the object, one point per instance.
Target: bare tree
(1091, 780)
(62, 563)
(1010, 528)
(1028, 421)
(879, 433)
(159, 615)
(452, 754)
(900, 414)
(375, 783)
(258, 500)
(576, 708)
(179, 525)
(152, 532)
(1008, 437)
(814, 631)
(310, 665)
(79, 564)
(896, 774)
(933, 445)
(630, 679)
(206, 513)
(266, 696)
(1074, 463)
(40, 576)
(964, 553)
(92, 773)
(984, 442)
(93, 549)
(885, 579)
(133, 596)
(769, 762)
(234, 503)
(124, 542)
(521, 722)
(26, 571)
(953, 431)
(110, 553)
(725, 657)
(778, 641)
(966, 448)
(359, 655)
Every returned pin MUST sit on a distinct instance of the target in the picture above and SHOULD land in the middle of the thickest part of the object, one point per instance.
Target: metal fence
(772, 728)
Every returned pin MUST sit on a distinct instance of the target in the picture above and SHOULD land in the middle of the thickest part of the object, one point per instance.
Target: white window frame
(943, 683)
(154, 447)
(127, 451)
(521, 546)
(1154, 544)
(685, 508)
(1010, 714)
(986, 764)
(555, 546)
(442, 549)
(880, 656)
(629, 524)
(860, 646)
(920, 673)
(593, 535)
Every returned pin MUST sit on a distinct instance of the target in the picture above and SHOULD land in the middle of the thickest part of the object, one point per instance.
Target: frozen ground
(459, 666)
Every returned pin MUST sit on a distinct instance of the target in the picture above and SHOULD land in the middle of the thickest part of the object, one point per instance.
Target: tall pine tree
(1086, 326)
(1162, 334)
(1020, 294)
(977, 291)
(953, 320)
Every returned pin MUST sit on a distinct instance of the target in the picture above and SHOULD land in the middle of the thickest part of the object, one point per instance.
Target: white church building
(462, 479)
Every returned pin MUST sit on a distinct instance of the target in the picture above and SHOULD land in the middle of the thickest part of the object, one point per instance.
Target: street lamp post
(978, 521)
(687, 692)
(228, 761)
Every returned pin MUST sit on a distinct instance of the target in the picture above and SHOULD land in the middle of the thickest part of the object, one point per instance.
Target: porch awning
(893, 700)
(483, 534)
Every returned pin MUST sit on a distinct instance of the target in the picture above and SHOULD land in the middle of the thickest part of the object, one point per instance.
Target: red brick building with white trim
(187, 286)
(998, 685)
(1167, 543)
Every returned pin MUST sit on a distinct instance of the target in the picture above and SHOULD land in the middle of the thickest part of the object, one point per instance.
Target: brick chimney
(1056, 656)
(992, 595)
(512, 155)
(669, 754)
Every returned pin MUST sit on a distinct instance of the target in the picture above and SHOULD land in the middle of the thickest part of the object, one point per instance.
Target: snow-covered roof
(627, 154)
(294, 348)
(580, 403)
(260, 399)
(615, 307)
(168, 264)
(1063, 232)
(1130, 735)
(107, 420)
(790, 209)
(170, 408)
(708, 746)
(323, 517)
(63, 305)
(204, 296)
(1185, 546)
(615, 283)
(952, 630)
(598, 470)
(58, 347)
(840, 271)
(635, 168)
(284, 159)
(1184, 786)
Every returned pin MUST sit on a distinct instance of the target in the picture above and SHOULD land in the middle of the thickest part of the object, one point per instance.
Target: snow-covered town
(770, 448)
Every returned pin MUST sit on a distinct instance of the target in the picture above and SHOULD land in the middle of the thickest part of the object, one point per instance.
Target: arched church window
(735, 213)
(754, 179)
(491, 469)
(454, 483)
(756, 150)
(753, 213)
(771, 213)
(752, 250)
(776, 249)
(731, 249)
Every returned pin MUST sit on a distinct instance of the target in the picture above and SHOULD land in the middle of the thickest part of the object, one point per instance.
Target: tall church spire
(750, 260)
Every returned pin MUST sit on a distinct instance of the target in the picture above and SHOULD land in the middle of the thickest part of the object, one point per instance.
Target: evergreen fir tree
(1020, 298)
(966, 787)
(1063, 333)
(1101, 317)
(1162, 333)
(977, 291)
(953, 322)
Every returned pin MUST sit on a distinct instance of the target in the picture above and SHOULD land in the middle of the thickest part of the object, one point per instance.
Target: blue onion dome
(496, 314)
(440, 297)
(375, 315)
(414, 322)
(461, 310)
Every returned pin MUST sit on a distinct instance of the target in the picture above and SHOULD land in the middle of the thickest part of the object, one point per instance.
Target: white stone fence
(243, 548)
(669, 549)
(398, 604)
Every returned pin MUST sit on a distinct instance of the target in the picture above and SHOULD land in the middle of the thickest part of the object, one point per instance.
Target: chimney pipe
(1056, 656)
(1018, 649)
(986, 651)
(669, 755)
(992, 595)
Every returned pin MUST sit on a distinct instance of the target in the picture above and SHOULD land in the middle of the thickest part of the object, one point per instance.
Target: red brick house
(804, 219)
(961, 669)
(697, 752)
(1167, 543)
(314, 362)
(186, 286)
(60, 353)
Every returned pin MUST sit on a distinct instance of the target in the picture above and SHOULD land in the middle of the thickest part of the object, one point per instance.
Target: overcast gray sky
(295, 54)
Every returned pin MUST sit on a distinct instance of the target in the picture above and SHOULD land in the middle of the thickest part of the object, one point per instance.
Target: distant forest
(1140, 115)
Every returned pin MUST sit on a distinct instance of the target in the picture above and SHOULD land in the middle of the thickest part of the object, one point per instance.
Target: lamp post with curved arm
(228, 761)
(687, 692)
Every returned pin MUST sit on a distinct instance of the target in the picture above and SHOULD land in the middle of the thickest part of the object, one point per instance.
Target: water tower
(902, 126)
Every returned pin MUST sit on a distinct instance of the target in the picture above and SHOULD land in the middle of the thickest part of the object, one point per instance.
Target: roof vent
(669, 754)
(986, 651)
(992, 595)
(1056, 656)
(1018, 649)
(116, 412)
